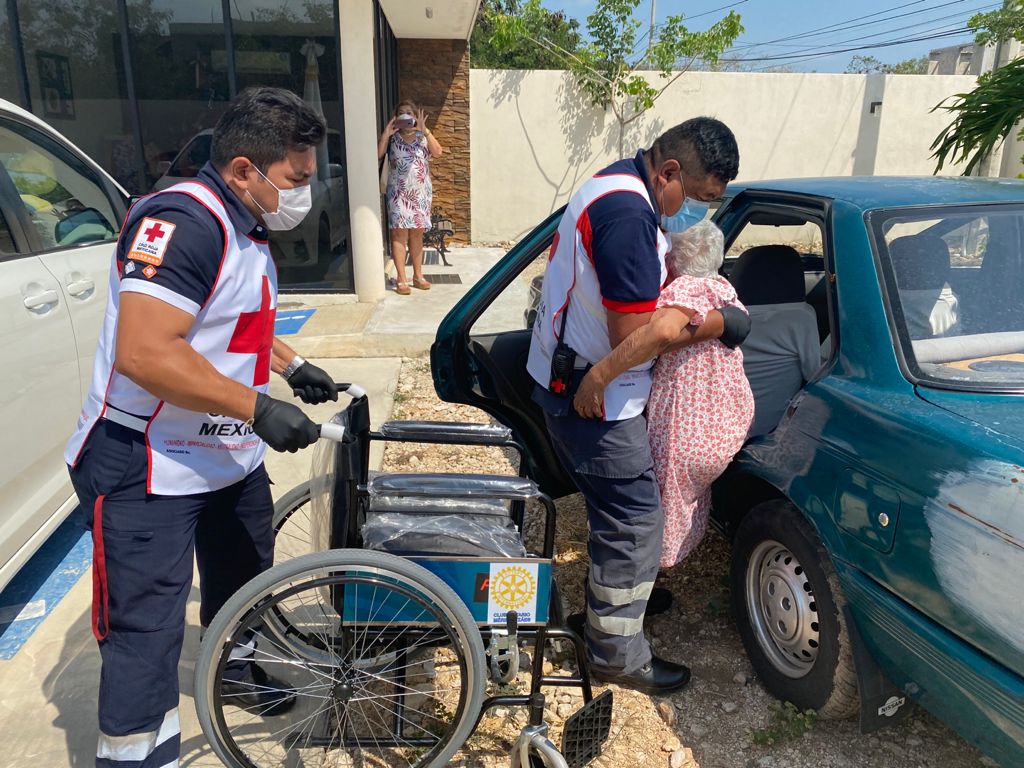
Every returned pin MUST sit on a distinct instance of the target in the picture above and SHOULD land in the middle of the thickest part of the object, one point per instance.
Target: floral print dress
(409, 193)
(698, 415)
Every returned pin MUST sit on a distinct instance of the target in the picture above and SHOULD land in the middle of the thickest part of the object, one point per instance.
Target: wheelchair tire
(292, 536)
(341, 680)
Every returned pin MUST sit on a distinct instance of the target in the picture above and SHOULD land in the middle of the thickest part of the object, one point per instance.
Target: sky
(824, 26)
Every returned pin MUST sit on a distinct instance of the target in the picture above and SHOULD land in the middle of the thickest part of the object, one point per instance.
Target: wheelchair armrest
(449, 485)
(446, 432)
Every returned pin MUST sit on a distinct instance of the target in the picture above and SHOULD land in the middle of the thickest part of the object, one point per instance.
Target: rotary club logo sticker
(512, 587)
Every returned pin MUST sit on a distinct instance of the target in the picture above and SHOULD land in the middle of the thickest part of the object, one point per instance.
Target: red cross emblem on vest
(254, 335)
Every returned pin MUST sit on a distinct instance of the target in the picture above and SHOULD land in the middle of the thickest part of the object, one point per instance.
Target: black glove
(282, 425)
(736, 326)
(312, 384)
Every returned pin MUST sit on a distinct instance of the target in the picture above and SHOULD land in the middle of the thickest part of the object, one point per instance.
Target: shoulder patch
(151, 240)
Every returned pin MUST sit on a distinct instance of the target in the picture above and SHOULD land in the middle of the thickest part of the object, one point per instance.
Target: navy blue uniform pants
(143, 549)
(611, 463)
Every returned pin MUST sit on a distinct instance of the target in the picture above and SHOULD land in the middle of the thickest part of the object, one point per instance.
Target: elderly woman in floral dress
(408, 146)
(701, 405)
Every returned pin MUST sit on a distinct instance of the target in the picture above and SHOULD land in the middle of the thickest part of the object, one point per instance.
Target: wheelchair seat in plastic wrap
(421, 515)
(456, 527)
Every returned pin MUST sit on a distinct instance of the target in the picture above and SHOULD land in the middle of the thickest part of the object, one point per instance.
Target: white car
(59, 218)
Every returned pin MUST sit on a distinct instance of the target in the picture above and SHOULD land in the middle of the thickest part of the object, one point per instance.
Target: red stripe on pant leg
(99, 574)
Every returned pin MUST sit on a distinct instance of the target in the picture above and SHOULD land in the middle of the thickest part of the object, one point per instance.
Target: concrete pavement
(398, 325)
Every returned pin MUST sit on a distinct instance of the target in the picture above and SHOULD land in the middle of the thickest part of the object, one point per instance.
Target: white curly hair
(698, 251)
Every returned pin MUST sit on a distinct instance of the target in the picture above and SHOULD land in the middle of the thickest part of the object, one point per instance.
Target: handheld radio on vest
(563, 362)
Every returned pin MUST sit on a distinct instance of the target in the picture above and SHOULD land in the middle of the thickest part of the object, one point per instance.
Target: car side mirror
(85, 225)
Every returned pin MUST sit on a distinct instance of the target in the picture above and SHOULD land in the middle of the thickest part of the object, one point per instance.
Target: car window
(63, 198)
(805, 237)
(191, 160)
(766, 229)
(6, 239)
(953, 279)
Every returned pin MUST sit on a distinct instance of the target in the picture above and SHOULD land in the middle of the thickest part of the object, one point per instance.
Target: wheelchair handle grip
(354, 390)
(335, 432)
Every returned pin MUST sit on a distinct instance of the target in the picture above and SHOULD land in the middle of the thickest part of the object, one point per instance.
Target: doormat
(444, 278)
(430, 257)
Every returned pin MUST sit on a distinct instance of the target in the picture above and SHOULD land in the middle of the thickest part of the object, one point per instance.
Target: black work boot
(656, 678)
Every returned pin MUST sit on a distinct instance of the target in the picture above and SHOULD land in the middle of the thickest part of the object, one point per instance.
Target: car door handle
(41, 299)
(80, 289)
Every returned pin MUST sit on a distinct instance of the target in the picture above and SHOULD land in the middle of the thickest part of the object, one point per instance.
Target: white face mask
(292, 205)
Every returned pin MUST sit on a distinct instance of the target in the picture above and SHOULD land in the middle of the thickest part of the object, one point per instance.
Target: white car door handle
(79, 288)
(41, 299)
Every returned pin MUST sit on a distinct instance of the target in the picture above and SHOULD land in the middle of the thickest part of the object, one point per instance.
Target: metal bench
(441, 227)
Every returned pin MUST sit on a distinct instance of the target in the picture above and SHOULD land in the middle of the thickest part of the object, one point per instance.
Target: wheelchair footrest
(586, 731)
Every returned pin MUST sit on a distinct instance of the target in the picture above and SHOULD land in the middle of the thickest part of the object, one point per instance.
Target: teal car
(877, 521)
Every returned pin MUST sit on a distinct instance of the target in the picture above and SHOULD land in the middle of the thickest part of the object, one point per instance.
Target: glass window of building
(295, 46)
(77, 84)
(182, 86)
(8, 73)
(139, 85)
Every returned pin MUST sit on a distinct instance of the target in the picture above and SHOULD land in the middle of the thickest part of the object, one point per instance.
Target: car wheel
(788, 607)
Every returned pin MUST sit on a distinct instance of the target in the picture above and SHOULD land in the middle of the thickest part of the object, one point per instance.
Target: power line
(915, 26)
(844, 26)
(840, 24)
(856, 22)
(797, 58)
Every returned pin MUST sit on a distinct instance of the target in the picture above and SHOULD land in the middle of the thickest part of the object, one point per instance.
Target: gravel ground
(724, 718)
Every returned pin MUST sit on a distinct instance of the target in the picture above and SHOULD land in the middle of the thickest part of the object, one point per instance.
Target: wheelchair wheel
(293, 534)
(397, 678)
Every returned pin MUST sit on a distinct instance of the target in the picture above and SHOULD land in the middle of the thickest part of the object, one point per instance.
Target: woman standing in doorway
(408, 146)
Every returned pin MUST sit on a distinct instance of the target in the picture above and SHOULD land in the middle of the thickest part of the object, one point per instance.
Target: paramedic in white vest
(167, 459)
(606, 270)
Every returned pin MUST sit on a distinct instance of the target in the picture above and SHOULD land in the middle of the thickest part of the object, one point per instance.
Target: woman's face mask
(292, 206)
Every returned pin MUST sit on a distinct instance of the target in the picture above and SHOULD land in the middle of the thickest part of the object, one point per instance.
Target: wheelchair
(395, 602)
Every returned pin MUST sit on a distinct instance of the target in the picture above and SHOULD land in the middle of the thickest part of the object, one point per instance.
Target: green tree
(1005, 24)
(984, 117)
(909, 67)
(607, 67)
(866, 65)
(560, 33)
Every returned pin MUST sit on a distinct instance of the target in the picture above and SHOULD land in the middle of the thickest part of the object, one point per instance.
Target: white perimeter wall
(533, 139)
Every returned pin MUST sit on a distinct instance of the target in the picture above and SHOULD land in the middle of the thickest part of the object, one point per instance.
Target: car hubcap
(782, 610)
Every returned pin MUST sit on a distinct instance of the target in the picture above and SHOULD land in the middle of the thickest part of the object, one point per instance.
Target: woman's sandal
(422, 284)
(402, 289)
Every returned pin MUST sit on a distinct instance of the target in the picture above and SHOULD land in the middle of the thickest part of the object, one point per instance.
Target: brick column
(435, 75)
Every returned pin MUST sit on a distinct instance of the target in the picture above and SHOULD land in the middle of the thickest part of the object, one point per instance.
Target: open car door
(479, 355)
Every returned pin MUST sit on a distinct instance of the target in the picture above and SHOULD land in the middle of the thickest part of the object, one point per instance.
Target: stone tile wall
(435, 75)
